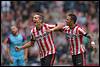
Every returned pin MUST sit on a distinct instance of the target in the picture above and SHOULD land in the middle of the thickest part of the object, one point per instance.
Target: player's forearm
(58, 27)
(7, 52)
(88, 36)
(92, 43)
(27, 45)
(26, 52)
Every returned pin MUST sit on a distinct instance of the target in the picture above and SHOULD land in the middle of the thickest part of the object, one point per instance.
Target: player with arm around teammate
(44, 40)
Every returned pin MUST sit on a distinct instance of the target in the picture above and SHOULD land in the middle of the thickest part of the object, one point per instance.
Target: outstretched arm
(27, 44)
(58, 27)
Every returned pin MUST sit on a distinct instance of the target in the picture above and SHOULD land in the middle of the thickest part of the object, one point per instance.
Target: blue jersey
(17, 40)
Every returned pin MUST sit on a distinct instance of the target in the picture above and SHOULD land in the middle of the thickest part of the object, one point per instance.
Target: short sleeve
(8, 37)
(32, 38)
(51, 25)
(81, 31)
(24, 37)
(65, 28)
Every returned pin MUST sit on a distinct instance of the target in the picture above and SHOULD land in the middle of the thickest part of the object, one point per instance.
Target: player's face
(14, 30)
(36, 20)
(69, 21)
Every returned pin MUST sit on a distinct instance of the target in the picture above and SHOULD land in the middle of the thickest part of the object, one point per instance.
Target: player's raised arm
(57, 27)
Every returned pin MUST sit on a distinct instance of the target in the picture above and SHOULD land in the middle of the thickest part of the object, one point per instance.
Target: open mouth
(34, 21)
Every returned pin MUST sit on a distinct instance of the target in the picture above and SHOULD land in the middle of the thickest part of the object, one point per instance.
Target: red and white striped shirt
(75, 37)
(44, 40)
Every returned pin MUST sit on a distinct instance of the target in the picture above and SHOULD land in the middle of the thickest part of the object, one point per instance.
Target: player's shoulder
(46, 24)
(21, 34)
(32, 29)
(78, 26)
(67, 27)
(9, 35)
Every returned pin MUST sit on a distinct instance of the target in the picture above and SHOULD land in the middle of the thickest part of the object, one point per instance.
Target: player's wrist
(53, 29)
(20, 47)
(92, 42)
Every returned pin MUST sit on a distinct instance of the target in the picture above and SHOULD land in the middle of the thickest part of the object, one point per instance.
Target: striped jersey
(75, 37)
(44, 40)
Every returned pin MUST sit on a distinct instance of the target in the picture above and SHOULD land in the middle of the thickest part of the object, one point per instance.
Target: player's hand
(11, 60)
(18, 48)
(49, 30)
(26, 59)
(93, 45)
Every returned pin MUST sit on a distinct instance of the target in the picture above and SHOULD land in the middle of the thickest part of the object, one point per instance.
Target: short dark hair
(73, 17)
(41, 17)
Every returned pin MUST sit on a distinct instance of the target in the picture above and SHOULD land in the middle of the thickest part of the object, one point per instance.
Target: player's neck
(15, 34)
(40, 26)
(72, 26)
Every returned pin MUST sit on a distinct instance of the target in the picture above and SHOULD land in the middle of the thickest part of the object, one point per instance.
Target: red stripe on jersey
(45, 41)
(42, 47)
(71, 47)
(37, 41)
(49, 40)
(52, 60)
(76, 40)
(72, 41)
(65, 30)
(81, 41)
(53, 40)
(41, 53)
(51, 44)
(40, 41)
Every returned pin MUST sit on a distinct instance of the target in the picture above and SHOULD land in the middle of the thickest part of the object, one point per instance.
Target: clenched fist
(17, 48)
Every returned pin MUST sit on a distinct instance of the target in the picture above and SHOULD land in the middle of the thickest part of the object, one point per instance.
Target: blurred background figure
(5, 6)
(15, 58)
(20, 13)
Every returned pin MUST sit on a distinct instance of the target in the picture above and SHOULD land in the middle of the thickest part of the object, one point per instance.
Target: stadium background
(20, 12)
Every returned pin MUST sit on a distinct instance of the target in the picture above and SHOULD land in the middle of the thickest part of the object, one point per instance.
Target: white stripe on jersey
(47, 40)
(79, 46)
(81, 30)
(53, 48)
(74, 32)
(44, 45)
(51, 41)
(34, 31)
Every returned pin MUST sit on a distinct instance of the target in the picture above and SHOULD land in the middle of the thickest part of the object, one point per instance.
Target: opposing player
(75, 35)
(43, 39)
(15, 39)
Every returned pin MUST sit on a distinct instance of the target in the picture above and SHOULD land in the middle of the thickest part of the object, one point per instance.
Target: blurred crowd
(20, 13)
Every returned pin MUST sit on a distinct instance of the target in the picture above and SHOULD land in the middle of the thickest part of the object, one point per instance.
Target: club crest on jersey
(42, 36)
